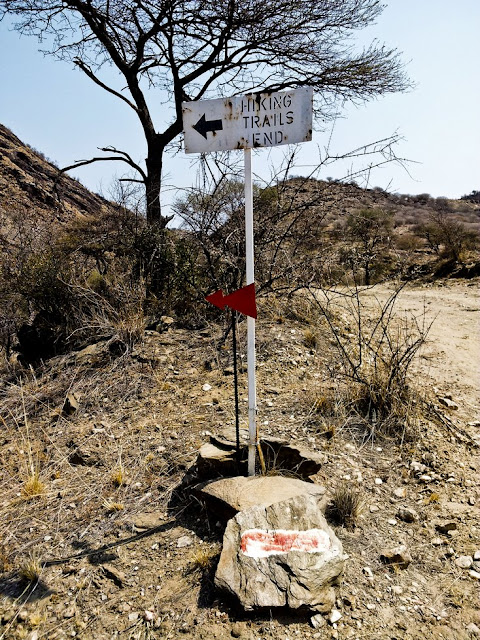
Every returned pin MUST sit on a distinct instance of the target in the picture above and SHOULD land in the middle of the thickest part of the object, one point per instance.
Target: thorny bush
(375, 347)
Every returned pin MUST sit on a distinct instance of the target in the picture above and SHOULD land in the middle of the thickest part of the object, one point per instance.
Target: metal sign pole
(252, 394)
(235, 382)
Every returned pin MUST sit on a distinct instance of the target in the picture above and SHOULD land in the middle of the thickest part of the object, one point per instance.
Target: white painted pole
(252, 394)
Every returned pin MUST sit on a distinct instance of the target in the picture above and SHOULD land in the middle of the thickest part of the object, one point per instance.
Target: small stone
(407, 515)
(116, 575)
(471, 501)
(473, 630)
(476, 555)
(374, 508)
(368, 572)
(69, 612)
(425, 478)
(184, 541)
(206, 387)
(448, 402)
(317, 621)
(238, 630)
(446, 527)
(133, 617)
(400, 492)
(392, 522)
(148, 615)
(397, 590)
(371, 607)
(71, 404)
(464, 562)
(398, 556)
(378, 481)
(474, 574)
(437, 542)
(417, 468)
(334, 616)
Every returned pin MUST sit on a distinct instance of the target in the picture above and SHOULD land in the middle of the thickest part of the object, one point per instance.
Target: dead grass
(345, 506)
(33, 487)
(111, 506)
(30, 569)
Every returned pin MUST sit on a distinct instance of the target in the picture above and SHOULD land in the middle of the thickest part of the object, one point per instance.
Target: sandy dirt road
(450, 359)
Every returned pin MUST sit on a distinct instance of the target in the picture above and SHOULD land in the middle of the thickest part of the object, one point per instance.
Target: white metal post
(252, 394)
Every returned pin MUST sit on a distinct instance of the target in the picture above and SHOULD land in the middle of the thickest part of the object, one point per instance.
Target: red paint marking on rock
(259, 543)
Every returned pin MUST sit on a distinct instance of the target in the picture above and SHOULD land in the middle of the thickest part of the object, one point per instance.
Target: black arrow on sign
(203, 126)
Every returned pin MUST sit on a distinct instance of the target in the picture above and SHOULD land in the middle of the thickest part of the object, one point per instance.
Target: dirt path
(450, 360)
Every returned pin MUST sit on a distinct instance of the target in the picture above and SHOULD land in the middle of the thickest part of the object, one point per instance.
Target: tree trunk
(152, 190)
(367, 274)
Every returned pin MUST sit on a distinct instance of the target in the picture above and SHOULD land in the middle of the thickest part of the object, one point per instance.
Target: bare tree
(369, 233)
(193, 49)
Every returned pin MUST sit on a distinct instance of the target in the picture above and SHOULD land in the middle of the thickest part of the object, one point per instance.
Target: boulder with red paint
(281, 555)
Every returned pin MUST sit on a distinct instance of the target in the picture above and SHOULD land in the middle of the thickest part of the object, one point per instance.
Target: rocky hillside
(32, 185)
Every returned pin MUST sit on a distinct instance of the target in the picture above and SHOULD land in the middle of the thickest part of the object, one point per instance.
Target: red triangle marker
(243, 300)
(217, 299)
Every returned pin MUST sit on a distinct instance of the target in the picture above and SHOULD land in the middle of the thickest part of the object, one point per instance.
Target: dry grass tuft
(33, 487)
(203, 559)
(346, 506)
(112, 506)
(118, 476)
(310, 339)
(30, 569)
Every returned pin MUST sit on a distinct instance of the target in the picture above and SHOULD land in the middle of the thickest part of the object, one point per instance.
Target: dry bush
(102, 278)
(374, 350)
(448, 236)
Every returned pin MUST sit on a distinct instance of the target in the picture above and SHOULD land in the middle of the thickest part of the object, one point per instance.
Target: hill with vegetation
(76, 267)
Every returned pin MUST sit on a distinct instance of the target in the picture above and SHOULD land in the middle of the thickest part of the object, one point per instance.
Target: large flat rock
(281, 555)
(228, 496)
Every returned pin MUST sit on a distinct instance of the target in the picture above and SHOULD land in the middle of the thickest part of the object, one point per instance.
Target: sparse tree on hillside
(288, 231)
(369, 233)
(192, 49)
(447, 235)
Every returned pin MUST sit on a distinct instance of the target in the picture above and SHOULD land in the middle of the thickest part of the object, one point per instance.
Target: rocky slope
(33, 186)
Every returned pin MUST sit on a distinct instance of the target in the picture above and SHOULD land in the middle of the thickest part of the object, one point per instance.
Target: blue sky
(63, 114)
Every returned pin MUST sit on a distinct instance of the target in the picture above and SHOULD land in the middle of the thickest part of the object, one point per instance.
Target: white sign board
(249, 121)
